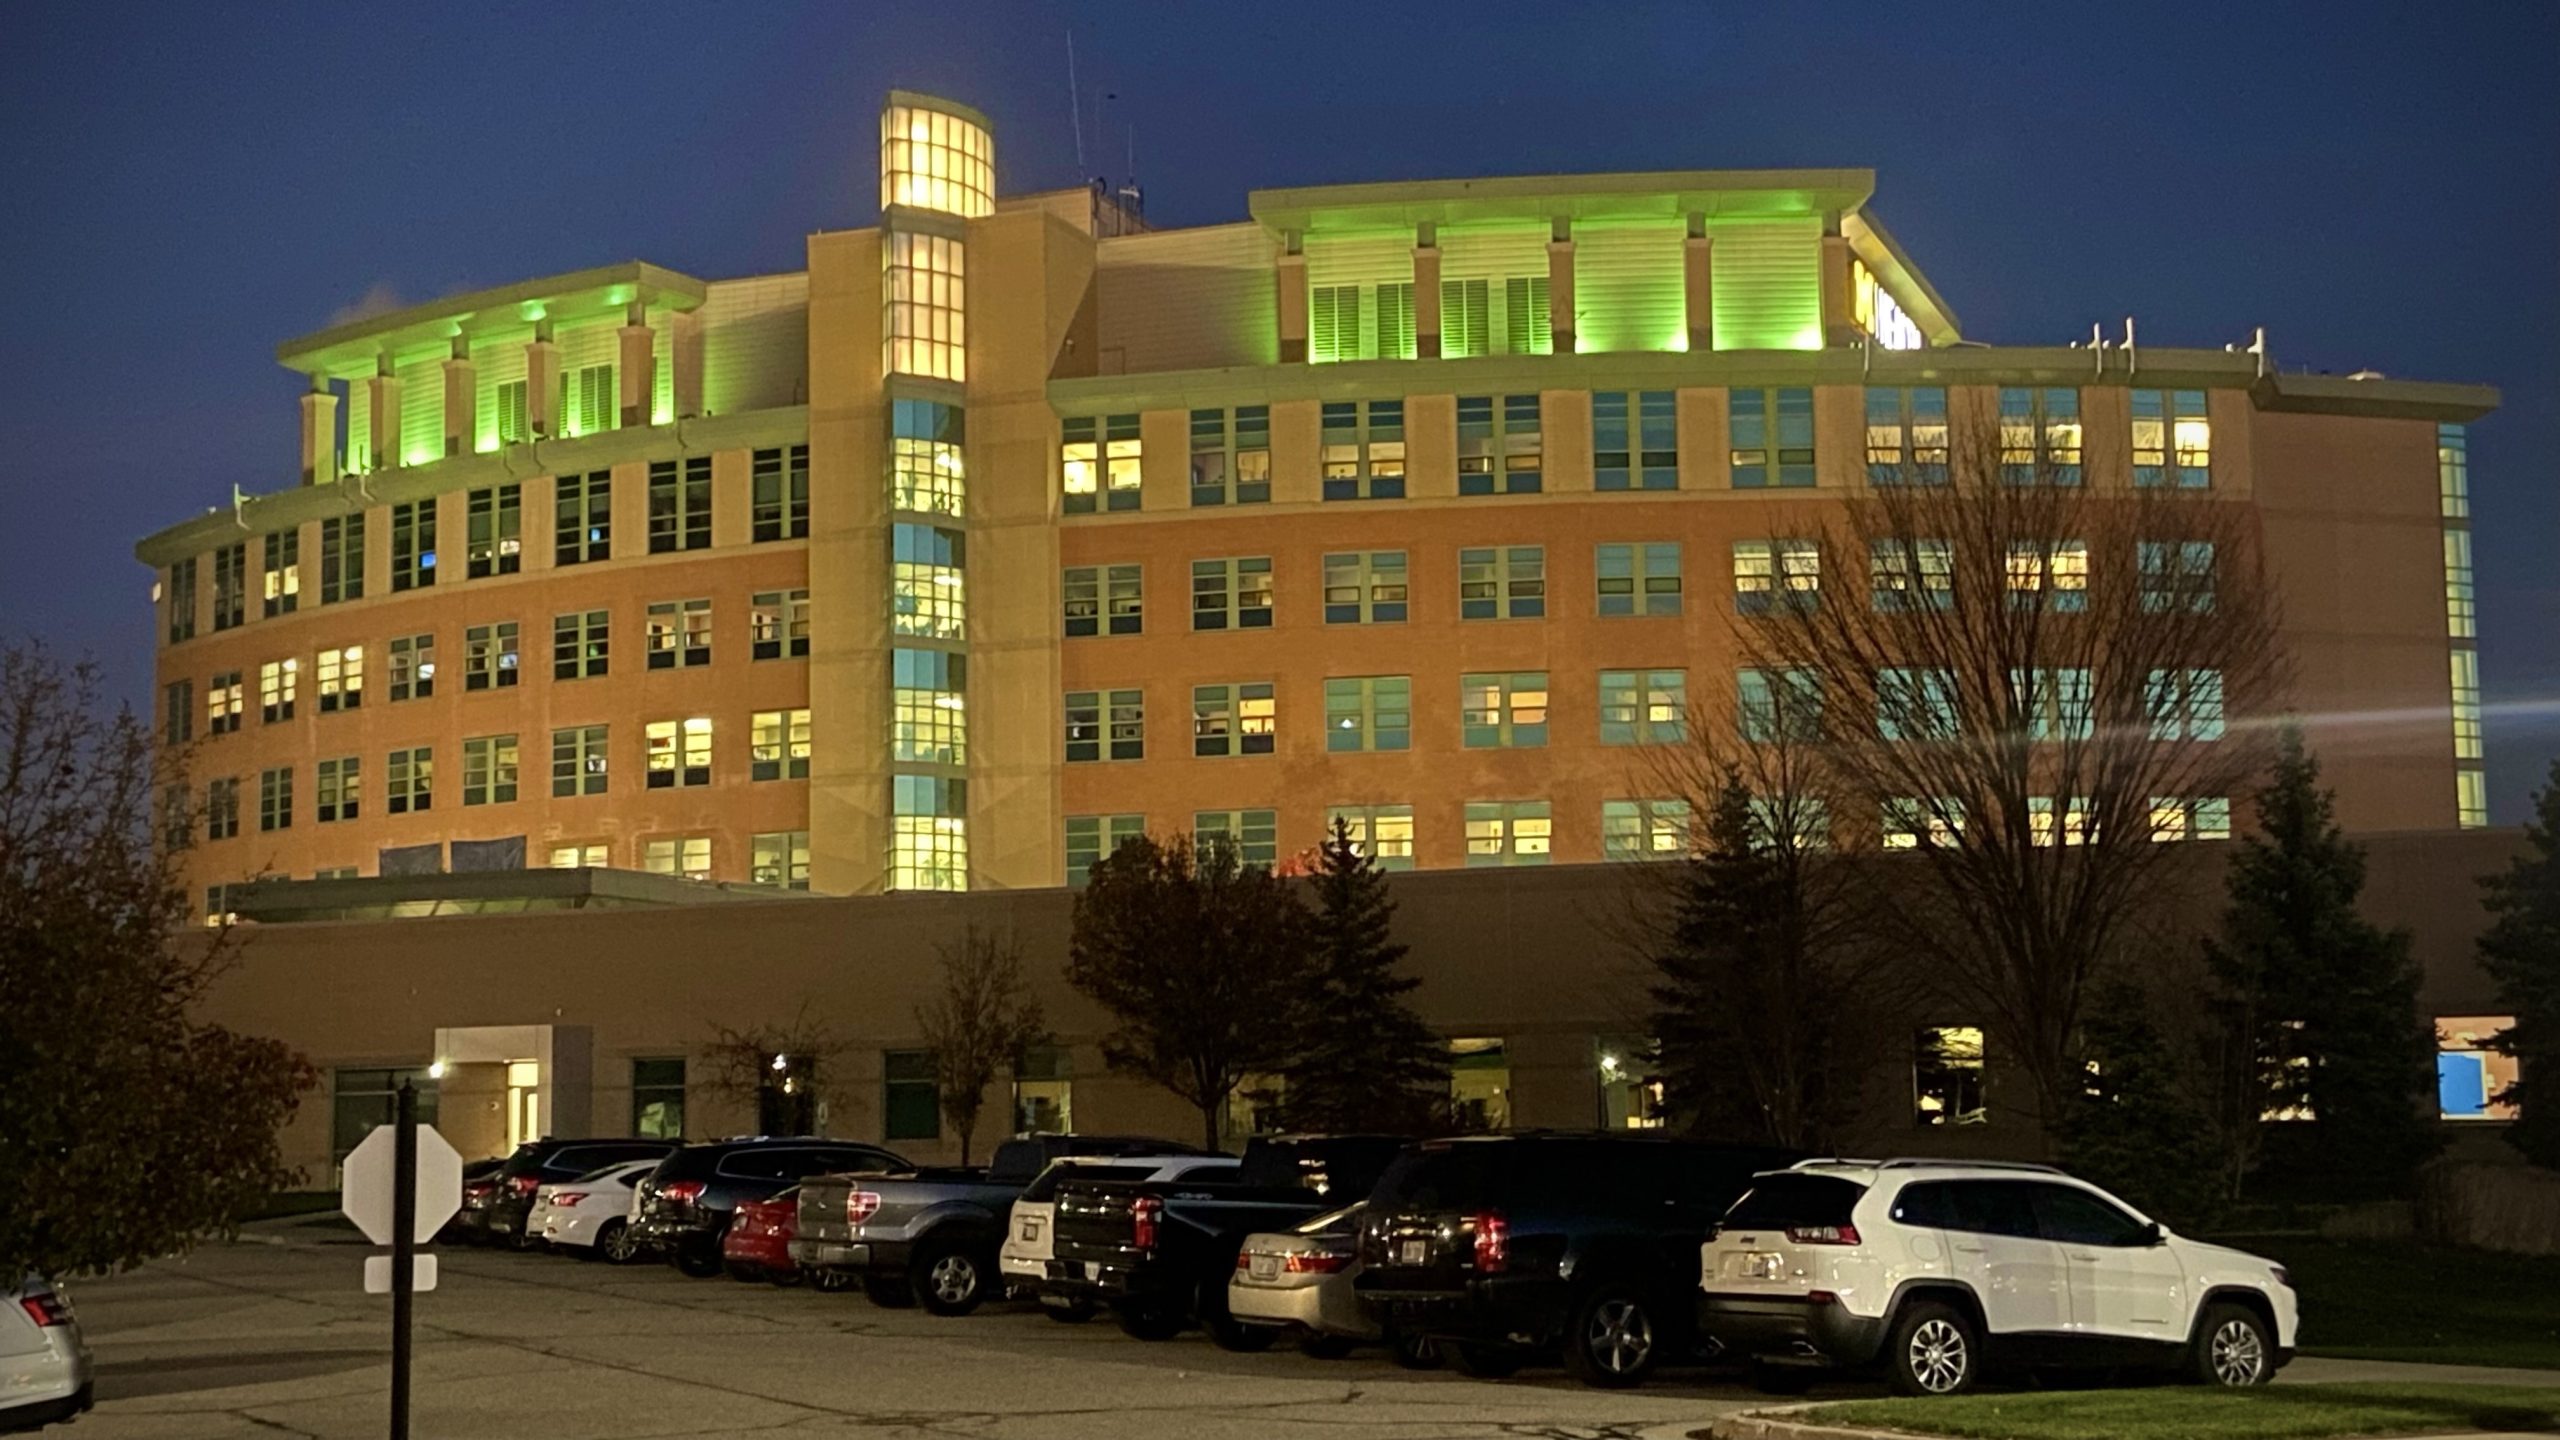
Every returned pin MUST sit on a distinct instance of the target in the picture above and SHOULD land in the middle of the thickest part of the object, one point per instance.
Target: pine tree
(2135, 1129)
(2521, 951)
(1366, 1061)
(2326, 1002)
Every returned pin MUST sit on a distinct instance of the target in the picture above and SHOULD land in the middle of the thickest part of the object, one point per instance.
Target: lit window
(1368, 712)
(2461, 607)
(779, 858)
(1644, 707)
(1767, 573)
(494, 538)
(1092, 839)
(489, 770)
(1231, 456)
(2039, 436)
(935, 160)
(1907, 575)
(1365, 588)
(578, 761)
(1363, 454)
(225, 698)
(1639, 579)
(928, 465)
(1772, 438)
(2172, 439)
(1384, 833)
(779, 490)
(582, 518)
(580, 857)
(925, 330)
(281, 558)
(2466, 704)
(1500, 447)
(1100, 463)
(2470, 798)
(1254, 833)
(2072, 824)
(778, 745)
(1907, 436)
(1911, 824)
(1233, 720)
(929, 717)
(1104, 723)
(679, 505)
(929, 838)
(679, 752)
(2055, 575)
(340, 674)
(1231, 594)
(1503, 711)
(278, 682)
(685, 856)
(2183, 704)
(581, 645)
(1506, 582)
(1508, 832)
(778, 625)
(2199, 818)
(679, 633)
(1878, 314)
(1946, 1076)
(489, 656)
(2474, 1080)
(928, 580)
(413, 667)
(2453, 471)
(1644, 829)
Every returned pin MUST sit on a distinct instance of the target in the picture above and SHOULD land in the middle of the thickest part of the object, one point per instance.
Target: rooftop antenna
(1075, 103)
(2132, 356)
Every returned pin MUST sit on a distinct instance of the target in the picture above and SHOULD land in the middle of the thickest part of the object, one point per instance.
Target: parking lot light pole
(404, 1249)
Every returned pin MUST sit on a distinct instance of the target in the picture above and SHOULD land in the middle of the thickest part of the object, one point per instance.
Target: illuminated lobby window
(1254, 833)
(1772, 432)
(929, 715)
(1508, 832)
(926, 329)
(2039, 435)
(1501, 444)
(1503, 712)
(1644, 707)
(928, 471)
(1092, 839)
(1368, 712)
(927, 584)
(2471, 1076)
(934, 160)
(929, 839)
(2172, 439)
(1363, 450)
(581, 857)
(1910, 822)
(1946, 1076)
(1231, 456)
(1099, 460)
(1635, 440)
(1644, 829)
(1384, 833)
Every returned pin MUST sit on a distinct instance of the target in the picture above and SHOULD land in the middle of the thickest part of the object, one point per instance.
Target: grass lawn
(2281, 1412)
(2384, 1300)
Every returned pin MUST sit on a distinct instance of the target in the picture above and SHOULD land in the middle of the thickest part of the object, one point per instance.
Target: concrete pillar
(1293, 302)
(1426, 292)
(382, 401)
(541, 382)
(1560, 286)
(1839, 297)
(684, 336)
(638, 372)
(1698, 274)
(461, 400)
(319, 432)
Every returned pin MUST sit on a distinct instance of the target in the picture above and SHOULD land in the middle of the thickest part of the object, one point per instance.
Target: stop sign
(367, 1196)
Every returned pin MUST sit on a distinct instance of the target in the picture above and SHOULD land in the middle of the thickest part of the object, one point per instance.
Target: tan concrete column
(638, 372)
(1426, 293)
(1839, 297)
(1560, 286)
(1698, 271)
(461, 400)
(319, 433)
(1293, 303)
(382, 402)
(684, 337)
(541, 381)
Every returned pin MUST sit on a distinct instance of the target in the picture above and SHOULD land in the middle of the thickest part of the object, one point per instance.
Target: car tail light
(682, 1192)
(1821, 1297)
(1314, 1264)
(1244, 1259)
(567, 1197)
(861, 1205)
(1493, 1241)
(1143, 1214)
(45, 1309)
(1823, 1234)
(523, 1184)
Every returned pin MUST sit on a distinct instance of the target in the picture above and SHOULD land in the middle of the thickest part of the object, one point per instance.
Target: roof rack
(1913, 1162)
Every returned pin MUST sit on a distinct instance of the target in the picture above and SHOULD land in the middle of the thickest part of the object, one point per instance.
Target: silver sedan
(1300, 1281)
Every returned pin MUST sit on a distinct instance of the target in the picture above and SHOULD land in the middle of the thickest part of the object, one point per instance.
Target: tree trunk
(1209, 1127)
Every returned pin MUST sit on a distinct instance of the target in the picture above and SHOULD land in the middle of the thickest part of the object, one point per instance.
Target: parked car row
(1613, 1253)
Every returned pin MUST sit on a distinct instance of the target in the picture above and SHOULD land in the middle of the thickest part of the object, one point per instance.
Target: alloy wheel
(617, 1244)
(1620, 1336)
(1939, 1360)
(2238, 1358)
(953, 1279)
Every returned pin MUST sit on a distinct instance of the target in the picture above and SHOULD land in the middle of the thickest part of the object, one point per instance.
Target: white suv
(1940, 1268)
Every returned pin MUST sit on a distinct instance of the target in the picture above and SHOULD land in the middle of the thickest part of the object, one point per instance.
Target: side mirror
(2153, 1234)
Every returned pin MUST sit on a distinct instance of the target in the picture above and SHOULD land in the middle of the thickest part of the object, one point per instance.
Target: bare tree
(979, 1025)
(786, 1070)
(2024, 680)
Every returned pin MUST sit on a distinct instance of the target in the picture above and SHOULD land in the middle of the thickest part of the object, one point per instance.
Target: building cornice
(600, 295)
(1658, 194)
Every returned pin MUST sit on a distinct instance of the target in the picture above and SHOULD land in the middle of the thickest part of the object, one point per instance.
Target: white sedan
(44, 1363)
(590, 1215)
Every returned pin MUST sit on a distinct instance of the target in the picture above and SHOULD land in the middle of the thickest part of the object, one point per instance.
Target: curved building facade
(1010, 527)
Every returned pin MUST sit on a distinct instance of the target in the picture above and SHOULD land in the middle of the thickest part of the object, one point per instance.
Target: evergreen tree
(2521, 951)
(1366, 1061)
(2326, 1002)
(2135, 1129)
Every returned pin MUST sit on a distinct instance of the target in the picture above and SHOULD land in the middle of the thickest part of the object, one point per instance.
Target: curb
(1777, 1424)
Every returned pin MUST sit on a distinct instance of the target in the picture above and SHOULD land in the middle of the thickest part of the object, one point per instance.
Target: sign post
(402, 1184)
(404, 1250)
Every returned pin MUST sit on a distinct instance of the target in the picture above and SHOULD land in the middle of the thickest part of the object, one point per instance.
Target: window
(1767, 573)
(680, 505)
(1915, 704)
(927, 329)
(929, 717)
(581, 644)
(1043, 1092)
(1639, 579)
(2172, 439)
(1508, 832)
(1913, 824)
(1363, 453)
(177, 818)
(1907, 436)
(780, 490)
(1090, 711)
(679, 752)
(221, 808)
(275, 799)
(657, 1099)
(1505, 582)
(778, 745)
(2052, 821)
(337, 793)
(1231, 594)
(582, 520)
(578, 764)
(2466, 704)
(1466, 318)
(1652, 462)
(225, 697)
(1092, 839)
(2039, 436)
(2183, 704)
(929, 835)
(1772, 438)
(1254, 833)
(685, 856)
(679, 633)
(1644, 707)
(1780, 705)
(780, 858)
(230, 582)
(412, 777)
(342, 558)
(2190, 818)
(489, 770)
(1504, 711)
(281, 555)
(1231, 456)
(1804, 821)
(2055, 574)
(2461, 609)
(515, 424)
(1906, 575)
(178, 703)
(341, 676)
(1336, 328)
(1369, 712)
(2453, 471)
(935, 160)
(1946, 1076)
(1233, 719)
(1098, 463)
(489, 656)
(363, 1100)
(1104, 599)
(2473, 1080)
(1384, 833)
(2176, 573)
(1365, 587)
(580, 857)
(181, 590)
(912, 1104)
(413, 667)
(494, 537)
(2059, 704)
(1500, 451)
(1644, 829)
(413, 545)
(928, 464)
(778, 625)
(278, 680)
(926, 581)
(590, 402)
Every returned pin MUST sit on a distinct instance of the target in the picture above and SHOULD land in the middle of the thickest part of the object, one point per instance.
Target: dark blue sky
(182, 186)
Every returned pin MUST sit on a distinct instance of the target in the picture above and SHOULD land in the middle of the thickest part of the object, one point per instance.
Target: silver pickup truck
(929, 1236)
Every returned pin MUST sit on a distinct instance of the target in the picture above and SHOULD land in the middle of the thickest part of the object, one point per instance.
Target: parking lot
(273, 1337)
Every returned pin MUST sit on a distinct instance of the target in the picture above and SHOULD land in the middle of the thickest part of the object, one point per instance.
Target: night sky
(188, 185)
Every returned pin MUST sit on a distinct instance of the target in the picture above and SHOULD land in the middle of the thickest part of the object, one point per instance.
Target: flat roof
(579, 297)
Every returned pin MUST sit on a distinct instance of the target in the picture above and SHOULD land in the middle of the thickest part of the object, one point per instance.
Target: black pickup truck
(1159, 1253)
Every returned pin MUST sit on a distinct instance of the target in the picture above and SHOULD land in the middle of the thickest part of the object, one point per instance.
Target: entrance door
(524, 1102)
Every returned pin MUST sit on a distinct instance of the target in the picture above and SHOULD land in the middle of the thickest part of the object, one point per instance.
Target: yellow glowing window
(1508, 832)
(688, 856)
(679, 752)
(1384, 833)
(341, 676)
(935, 160)
(926, 300)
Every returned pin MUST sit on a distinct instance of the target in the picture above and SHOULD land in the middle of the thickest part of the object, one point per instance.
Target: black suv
(503, 1206)
(685, 1205)
(1507, 1248)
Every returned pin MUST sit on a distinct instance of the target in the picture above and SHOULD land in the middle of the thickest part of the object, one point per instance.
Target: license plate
(1760, 1265)
(1266, 1267)
(1415, 1252)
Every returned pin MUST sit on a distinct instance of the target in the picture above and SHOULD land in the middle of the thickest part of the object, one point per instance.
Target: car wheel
(1771, 1379)
(2233, 1348)
(615, 1244)
(1933, 1350)
(1150, 1322)
(828, 1282)
(1616, 1338)
(1325, 1347)
(1231, 1333)
(1483, 1362)
(783, 1277)
(949, 1279)
(700, 1264)
(887, 1292)
(1068, 1312)
(1415, 1351)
